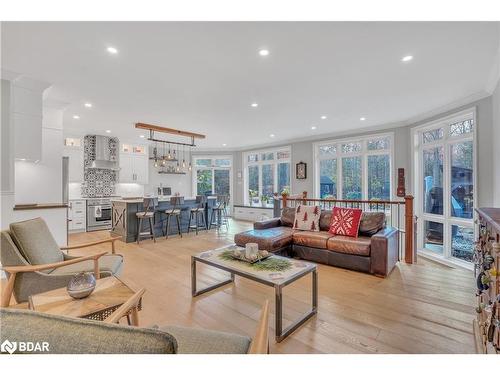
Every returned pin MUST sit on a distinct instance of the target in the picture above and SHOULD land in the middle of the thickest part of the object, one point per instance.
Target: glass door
(213, 175)
(444, 185)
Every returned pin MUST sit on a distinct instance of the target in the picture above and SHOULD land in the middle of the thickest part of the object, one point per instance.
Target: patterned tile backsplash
(98, 182)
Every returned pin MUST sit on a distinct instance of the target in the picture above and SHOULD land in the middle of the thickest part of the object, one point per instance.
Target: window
(354, 169)
(266, 172)
(444, 185)
(212, 175)
(379, 177)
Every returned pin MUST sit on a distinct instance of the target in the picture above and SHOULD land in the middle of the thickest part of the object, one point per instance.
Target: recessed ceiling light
(224, 145)
(108, 131)
(313, 127)
(407, 58)
(271, 135)
(88, 105)
(362, 118)
(142, 136)
(254, 105)
(76, 117)
(112, 50)
(323, 117)
(264, 52)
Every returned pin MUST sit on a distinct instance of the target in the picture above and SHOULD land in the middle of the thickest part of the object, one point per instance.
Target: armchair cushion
(108, 264)
(35, 242)
(82, 336)
(202, 341)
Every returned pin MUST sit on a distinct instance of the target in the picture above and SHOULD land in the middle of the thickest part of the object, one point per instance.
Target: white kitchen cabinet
(141, 168)
(77, 215)
(26, 114)
(75, 155)
(134, 165)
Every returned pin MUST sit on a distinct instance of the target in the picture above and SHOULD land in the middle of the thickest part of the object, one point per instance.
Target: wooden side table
(109, 294)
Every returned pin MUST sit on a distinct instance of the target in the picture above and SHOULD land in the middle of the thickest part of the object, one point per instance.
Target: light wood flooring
(422, 308)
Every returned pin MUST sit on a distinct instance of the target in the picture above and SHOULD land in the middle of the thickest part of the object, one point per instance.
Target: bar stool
(148, 205)
(175, 211)
(197, 212)
(219, 213)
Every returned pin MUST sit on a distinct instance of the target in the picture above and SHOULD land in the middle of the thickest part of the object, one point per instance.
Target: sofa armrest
(266, 224)
(384, 251)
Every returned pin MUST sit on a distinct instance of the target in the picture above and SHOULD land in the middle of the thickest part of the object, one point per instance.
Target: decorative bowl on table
(81, 285)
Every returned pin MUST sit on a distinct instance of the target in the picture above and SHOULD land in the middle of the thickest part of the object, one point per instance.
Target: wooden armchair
(34, 263)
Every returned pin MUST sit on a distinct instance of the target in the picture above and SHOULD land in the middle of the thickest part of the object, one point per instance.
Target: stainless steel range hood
(103, 158)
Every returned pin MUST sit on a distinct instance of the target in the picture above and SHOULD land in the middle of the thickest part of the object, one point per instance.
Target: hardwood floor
(422, 308)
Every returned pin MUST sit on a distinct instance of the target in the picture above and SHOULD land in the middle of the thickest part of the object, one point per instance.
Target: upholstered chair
(34, 263)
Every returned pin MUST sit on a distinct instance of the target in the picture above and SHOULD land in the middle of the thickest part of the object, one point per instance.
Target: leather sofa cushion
(350, 245)
(287, 216)
(325, 220)
(271, 239)
(371, 223)
(311, 239)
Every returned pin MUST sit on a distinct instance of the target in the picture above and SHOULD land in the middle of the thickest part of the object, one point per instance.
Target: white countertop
(164, 198)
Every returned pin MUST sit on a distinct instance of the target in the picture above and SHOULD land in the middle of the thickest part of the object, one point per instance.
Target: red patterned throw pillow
(345, 221)
(307, 218)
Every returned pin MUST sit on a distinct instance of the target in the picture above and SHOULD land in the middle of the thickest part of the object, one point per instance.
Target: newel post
(410, 248)
(304, 197)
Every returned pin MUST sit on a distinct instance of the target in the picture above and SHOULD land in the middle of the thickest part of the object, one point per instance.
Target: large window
(266, 172)
(212, 175)
(354, 169)
(444, 185)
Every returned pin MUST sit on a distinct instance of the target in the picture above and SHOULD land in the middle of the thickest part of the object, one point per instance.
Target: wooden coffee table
(109, 294)
(297, 270)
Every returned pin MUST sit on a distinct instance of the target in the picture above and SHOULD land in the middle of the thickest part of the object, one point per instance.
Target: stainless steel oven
(98, 214)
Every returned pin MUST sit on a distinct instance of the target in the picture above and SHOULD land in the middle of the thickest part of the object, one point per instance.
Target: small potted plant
(285, 193)
(264, 200)
(254, 197)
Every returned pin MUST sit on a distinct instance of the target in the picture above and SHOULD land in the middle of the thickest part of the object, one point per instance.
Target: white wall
(181, 184)
(29, 182)
(496, 145)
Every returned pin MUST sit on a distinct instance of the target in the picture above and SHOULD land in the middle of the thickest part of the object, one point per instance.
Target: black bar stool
(175, 211)
(219, 213)
(148, 205)
(197, 212)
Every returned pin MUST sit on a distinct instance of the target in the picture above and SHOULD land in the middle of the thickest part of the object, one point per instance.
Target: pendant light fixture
(183, 158)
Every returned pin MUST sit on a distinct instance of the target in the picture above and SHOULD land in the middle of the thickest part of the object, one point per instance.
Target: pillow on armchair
(345, 221)
(307, 218)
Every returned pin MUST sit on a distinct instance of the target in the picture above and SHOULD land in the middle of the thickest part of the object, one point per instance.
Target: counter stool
(148, 205)
(197, 212)
(219, 213)
(175, 211)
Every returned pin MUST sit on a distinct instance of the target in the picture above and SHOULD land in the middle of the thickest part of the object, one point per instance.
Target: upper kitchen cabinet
(134, 164)
(26, 109)
(73, 150)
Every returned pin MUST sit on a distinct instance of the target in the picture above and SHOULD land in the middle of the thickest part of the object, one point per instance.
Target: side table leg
(315, 291)
(279, 312)
(193, 276)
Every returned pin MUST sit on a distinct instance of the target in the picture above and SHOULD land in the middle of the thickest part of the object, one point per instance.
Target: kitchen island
(124, 219)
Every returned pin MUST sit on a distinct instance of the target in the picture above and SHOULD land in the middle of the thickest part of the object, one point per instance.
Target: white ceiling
(203, 76)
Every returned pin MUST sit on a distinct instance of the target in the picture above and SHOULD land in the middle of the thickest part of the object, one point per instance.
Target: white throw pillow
(307, 218)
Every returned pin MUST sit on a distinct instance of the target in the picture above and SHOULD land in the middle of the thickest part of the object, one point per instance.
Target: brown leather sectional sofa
(375, 250)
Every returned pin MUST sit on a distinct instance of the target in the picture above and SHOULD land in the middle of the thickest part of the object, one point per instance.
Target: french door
(212, 176)
(445, 187)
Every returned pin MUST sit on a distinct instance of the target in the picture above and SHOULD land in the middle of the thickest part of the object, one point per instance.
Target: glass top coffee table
(265, 273)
